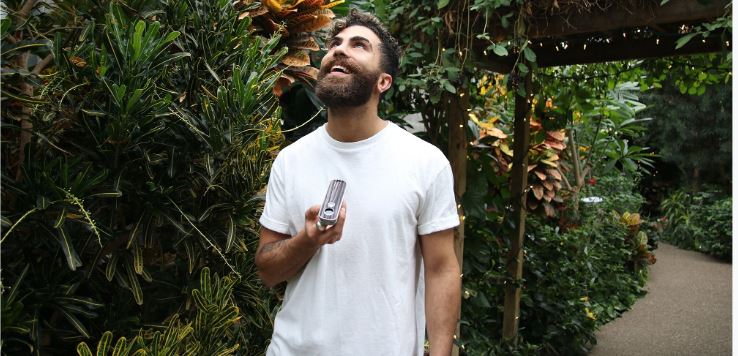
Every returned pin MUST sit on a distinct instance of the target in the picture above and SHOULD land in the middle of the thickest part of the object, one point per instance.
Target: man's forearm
(442, 302)
(280, 260)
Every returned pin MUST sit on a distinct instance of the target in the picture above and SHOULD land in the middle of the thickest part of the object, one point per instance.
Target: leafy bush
(131, 163)
(699, 221)
(574, 280)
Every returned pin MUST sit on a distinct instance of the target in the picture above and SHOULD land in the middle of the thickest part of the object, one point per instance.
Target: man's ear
(384, 82)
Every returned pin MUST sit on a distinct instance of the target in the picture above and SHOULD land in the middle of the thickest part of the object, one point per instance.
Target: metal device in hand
(328, 215)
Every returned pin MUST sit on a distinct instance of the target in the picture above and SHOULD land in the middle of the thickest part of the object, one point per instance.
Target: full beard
(345, 92)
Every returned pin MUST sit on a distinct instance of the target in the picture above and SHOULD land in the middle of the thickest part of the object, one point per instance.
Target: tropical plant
(295, 22)
(137, 138)
(698, 221)
(211, 333)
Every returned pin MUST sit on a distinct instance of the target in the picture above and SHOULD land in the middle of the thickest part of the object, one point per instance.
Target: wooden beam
(617, 49)
(625, 49)
(518, 187)
(615, 18)
(457, 145)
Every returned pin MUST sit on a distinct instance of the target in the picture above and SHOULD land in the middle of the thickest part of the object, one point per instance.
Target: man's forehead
(358, 31)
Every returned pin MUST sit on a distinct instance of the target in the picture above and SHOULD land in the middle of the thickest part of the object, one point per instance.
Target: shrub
(699, 221)
(574, 280)
(132, 163)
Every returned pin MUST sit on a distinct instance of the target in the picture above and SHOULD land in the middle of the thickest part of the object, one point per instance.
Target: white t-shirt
(364, 294)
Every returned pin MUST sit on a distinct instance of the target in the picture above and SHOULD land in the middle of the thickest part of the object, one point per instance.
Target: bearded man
(368, 284)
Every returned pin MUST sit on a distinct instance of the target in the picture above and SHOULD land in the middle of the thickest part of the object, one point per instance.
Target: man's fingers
(312, 213)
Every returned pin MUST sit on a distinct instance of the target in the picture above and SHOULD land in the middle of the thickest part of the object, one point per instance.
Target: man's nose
(340, 50)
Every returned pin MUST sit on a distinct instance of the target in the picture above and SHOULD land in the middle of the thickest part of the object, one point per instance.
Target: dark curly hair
(389, 48)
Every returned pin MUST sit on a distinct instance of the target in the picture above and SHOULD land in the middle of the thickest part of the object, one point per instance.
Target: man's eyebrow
(353, 39)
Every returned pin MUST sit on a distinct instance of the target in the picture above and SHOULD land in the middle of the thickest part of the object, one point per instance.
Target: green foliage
(135, 159)
(597, 276)
(561, 311)
(693, 133)
(211, 333)
(699, 221)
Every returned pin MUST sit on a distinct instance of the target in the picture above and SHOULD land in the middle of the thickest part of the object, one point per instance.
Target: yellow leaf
(506, 149)
(332, 4)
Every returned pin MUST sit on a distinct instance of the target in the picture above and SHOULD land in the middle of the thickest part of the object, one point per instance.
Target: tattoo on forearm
(269, 247)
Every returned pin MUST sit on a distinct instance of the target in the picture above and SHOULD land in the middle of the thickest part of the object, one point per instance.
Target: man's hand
(279, 257)
(329, 234)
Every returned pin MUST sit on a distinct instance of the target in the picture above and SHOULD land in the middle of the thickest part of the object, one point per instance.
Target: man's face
(349, 72)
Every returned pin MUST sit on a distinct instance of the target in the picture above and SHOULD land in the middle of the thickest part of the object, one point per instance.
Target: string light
(727, 43)
(557, 48)
(585, 47)
(607, 40)
(704, 41)
(625, 35)
(540, 44)
(657, 41)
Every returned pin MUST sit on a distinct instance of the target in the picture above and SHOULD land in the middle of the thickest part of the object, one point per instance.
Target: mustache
(352, 68)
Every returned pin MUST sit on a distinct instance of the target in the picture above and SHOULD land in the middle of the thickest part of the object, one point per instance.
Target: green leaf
(119, 347)
(231, 233)
(76, 323)
(83, 349)
(529, 54)
(523, 69)
(442, 3)
(135, 286)
(684, 40)
(449, 87)
(499, 50)
(137, 38)
(70, 253)
(111, 267)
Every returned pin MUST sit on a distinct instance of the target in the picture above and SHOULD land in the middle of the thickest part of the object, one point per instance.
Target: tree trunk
(457, 144)
(518, 188)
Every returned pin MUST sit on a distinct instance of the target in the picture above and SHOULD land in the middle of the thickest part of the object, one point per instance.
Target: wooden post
(518, 187)
(457, 144)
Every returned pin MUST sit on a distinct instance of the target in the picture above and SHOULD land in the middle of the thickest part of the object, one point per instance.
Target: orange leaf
(537, 191)
(303, 42)
(554, 173)
(541, 175)
(77, 61)
(280, 86)
(556, 145)
(534, 124)
(532, 167)
(548, 185)
(556, 135)
(306, 72)
(550, 211)
(297, 58)
(312, 24)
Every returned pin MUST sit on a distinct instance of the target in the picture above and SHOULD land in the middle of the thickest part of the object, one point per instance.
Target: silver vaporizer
(329, 210)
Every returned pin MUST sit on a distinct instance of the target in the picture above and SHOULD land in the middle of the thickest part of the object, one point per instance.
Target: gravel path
(687, 310)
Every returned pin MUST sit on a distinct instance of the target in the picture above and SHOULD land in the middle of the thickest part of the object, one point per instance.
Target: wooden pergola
(600, 35)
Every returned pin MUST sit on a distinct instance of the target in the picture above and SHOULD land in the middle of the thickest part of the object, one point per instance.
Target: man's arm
(279, 257)
(442, 290)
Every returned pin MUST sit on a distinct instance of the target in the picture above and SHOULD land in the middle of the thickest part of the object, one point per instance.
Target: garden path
(687, 310)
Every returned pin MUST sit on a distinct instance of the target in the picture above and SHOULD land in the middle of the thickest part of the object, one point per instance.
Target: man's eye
(360, 45)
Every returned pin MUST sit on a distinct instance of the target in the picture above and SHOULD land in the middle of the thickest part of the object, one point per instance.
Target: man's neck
(354, 124)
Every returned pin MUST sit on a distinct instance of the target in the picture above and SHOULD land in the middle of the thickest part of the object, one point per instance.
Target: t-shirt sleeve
(438, 209)
(275, 215)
